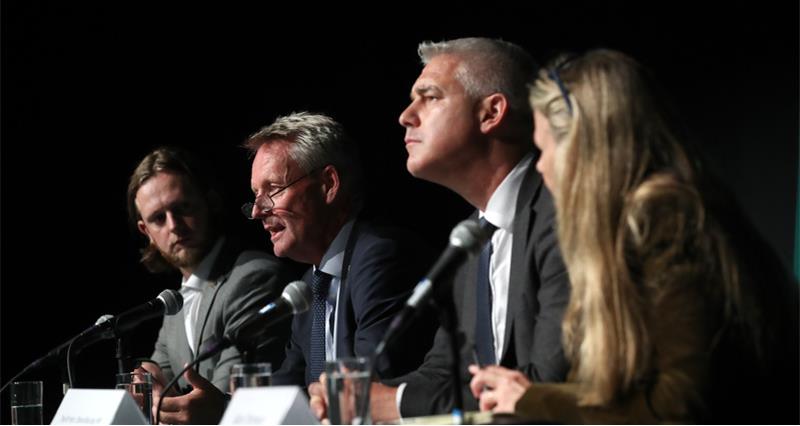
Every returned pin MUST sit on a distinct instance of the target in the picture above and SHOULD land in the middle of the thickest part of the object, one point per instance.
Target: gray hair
(488, 66)
(315, 140)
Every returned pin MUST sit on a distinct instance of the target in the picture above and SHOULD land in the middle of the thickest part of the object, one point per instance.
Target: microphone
(294, 300)
(466, 238)
(169, 302)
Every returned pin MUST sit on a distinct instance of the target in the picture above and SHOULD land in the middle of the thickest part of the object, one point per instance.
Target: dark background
(88, 90)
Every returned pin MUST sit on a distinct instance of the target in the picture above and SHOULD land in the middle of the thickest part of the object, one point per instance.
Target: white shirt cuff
(398, 398)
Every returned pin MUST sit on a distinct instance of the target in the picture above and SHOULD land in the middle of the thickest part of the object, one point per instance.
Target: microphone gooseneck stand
(123, 356)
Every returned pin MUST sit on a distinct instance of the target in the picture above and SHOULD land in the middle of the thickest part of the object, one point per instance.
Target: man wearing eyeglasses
(306, 180)
(174, 204)
(469, 128)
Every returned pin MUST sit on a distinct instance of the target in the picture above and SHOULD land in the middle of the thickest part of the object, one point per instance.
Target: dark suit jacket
(383, 266)
(243, 282)
(538, 295)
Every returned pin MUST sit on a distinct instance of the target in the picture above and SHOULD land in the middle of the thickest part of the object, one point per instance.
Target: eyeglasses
(552, 73)
(265, 203)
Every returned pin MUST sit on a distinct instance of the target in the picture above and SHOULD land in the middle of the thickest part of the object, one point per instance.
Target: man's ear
(143, 229)
(330, 183)
(492, 111)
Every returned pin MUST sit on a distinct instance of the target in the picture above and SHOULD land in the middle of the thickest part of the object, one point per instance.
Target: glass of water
(250, 375)
(140, 386)
(348, 384)
(26, 403)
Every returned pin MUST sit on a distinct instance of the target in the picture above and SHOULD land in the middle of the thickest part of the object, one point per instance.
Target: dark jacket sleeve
(429, 389)
(293, 369)
(384, 270)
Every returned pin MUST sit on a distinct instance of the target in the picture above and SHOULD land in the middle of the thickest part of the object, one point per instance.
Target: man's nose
(260, 213)
(175, 222)
(409, 118)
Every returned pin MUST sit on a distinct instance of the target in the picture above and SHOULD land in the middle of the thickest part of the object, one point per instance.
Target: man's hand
(383, 401)
(498, 388)
(158, 379)
(205, 404)
(318, 399)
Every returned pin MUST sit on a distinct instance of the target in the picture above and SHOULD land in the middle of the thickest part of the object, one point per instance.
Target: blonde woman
(678, 311)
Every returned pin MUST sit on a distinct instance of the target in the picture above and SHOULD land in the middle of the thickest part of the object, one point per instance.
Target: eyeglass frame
(552, 73)
(247, 208)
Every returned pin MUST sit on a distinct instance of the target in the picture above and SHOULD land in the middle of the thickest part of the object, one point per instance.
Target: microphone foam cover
(467, 235)
(298, 294)
(104, 318)
(173, 301)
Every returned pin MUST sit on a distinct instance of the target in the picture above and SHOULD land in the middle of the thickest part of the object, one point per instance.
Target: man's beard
(189, 257)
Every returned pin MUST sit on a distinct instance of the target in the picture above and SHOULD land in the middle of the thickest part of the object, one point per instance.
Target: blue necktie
(319, 290)
(484, 337)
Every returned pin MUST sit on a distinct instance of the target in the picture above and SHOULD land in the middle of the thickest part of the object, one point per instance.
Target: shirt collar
(502, 205)
(200, 275)
(333, 258)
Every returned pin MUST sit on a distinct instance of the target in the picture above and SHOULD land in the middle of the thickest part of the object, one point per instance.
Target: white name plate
(98, 407)
(276, 405)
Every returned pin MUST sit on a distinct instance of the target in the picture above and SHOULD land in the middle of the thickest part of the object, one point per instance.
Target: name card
(276, 405)
(98, 407)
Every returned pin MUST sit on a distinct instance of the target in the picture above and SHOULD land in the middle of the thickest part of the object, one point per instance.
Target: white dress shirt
(192, 292)
(500, 212)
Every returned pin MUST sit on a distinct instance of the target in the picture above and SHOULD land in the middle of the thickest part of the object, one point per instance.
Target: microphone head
(468, 236)
(298, 294)
(103, 319)
(172, 300)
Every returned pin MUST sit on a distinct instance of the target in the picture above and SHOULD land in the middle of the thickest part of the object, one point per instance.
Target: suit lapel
(210, 290)
(521, 268)
(468, 282)
(184, 352)
(344, 342)
(219, 274)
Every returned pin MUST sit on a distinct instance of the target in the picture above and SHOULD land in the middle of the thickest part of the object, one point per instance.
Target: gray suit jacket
(243, 282)
(538, 294)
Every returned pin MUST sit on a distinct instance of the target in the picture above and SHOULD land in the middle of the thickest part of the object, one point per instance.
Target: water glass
(140, 386)
(348, 384)
(250, 375)
(26, 403)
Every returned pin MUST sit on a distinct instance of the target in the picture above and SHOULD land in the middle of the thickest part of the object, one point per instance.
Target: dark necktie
(319, 290)
(484, 337)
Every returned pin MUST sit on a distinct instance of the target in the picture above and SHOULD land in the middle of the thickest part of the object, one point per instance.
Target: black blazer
(382, 267)
(538, 295)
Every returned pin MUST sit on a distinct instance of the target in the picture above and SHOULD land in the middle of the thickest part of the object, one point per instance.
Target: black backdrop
(88, 90)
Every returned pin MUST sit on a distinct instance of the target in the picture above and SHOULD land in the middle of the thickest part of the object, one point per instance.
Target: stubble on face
(186, 257)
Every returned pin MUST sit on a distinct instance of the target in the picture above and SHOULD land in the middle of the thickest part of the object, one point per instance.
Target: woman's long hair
(618, 161)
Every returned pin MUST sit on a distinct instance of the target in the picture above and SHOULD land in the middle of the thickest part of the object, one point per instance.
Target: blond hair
(628, 206)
